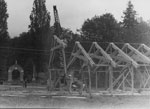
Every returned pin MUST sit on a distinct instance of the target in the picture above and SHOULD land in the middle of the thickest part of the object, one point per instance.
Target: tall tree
(40, 17)
(40, 30)
(129, 19)
(3, 21)
(129, 24)
(4, 37)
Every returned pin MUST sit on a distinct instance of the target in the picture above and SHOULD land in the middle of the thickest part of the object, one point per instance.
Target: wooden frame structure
(144, 49)
(123, 66)
(58, 45)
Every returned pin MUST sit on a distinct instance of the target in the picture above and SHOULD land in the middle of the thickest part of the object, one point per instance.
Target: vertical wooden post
(64, 57)
(106, 79)
(50, 71)
(34, 71)
(132, 79)
(89, 71)
(110, 78)
(50, 79)
(51, 56)
(123, 85)
(96, 81)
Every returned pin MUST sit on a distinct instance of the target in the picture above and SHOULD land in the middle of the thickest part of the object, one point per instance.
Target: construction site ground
(38, 97)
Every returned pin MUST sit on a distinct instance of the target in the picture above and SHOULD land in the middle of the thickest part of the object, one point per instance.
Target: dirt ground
(33, 97)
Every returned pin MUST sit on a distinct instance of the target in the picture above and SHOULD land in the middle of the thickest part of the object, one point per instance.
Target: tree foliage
(143, 32)
(3, 21)
(129, 19)
(40, 17)
(129, 24)
(4, 38)
(33, 47)
(105, 28)
(40, 32)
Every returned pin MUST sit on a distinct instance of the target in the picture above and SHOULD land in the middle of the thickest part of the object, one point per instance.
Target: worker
(24, 81)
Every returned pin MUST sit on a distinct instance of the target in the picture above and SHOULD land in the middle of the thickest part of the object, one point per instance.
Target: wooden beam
(125, 56)
(105, 55)
(70, 62)
(64, 57)
(106, 79)
(110, 78)
(81, 57)
(146, 48)
(50, 80)
(101, 65)
(96, 81)
(73, 57)
(57, 47)
(132, 79)
(61, 42)
(119, 58)
(143, 57)
(89, 72)
(91, 48)
(96, 56)
(85, 54)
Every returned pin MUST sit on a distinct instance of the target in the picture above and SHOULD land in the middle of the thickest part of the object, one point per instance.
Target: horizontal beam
(101, 65)
(96, 56)
(56, 69)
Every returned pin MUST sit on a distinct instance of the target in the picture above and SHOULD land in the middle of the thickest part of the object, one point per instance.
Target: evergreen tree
(129, 24)
(129, 19)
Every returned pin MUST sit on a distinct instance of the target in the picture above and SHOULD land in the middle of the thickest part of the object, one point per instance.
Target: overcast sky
(72, 13)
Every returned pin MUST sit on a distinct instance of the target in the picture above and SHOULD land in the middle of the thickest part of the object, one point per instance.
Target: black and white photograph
(75, 54)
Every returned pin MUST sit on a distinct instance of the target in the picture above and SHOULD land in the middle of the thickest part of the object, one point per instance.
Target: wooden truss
(80, 53)
(103, 58)
(135, 54)
(145, 50)
(123, 65)
(127, 59)
(60, 45)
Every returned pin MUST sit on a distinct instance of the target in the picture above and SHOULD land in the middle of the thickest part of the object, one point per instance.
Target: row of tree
(32, 48)
(106, 28)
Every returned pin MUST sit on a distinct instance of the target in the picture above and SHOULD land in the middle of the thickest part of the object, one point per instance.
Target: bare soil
(18, 97)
